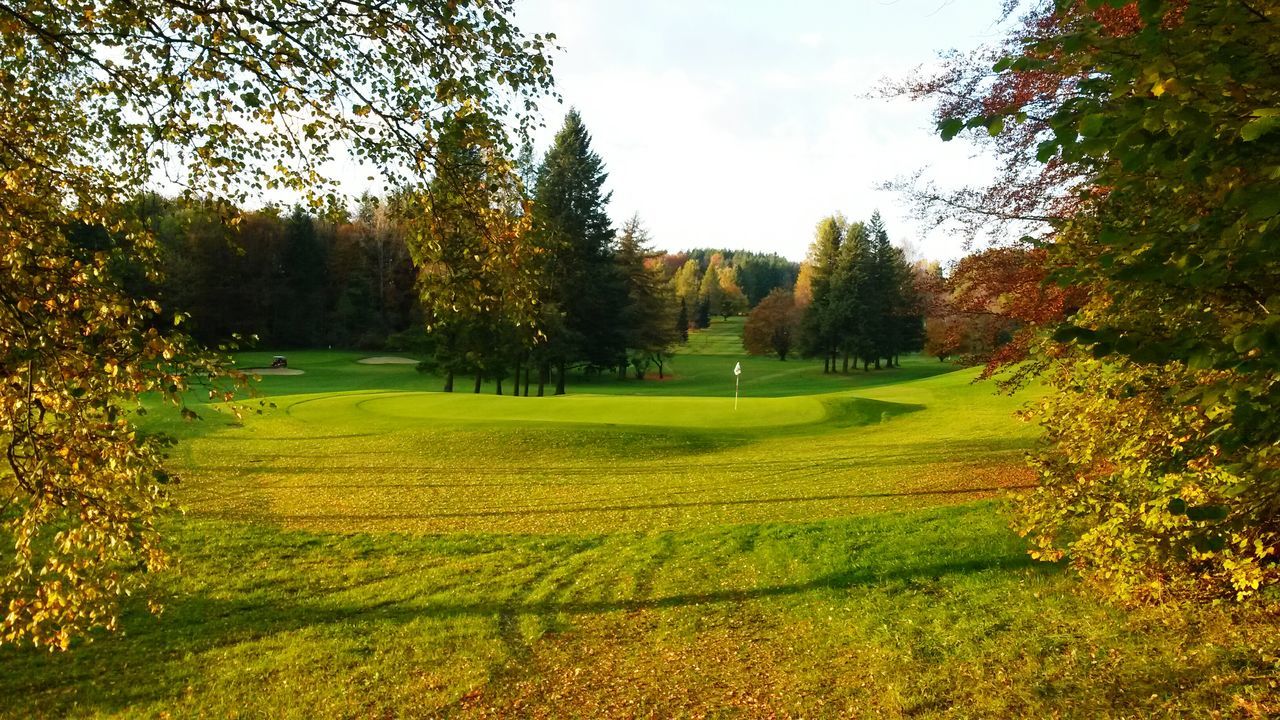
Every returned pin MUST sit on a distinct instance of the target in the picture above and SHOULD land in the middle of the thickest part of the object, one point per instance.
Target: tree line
(485, 272)
(275, 277)
(857, 298)
(526, 288)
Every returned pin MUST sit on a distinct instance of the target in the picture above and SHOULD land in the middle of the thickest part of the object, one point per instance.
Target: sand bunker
(387, 360)
(273, 371)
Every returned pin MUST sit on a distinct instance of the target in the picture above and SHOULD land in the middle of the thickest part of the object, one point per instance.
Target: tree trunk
(448, 380)
(560, 377)
(845, 370)
(479, 380)
(543, 372)
(499, 380)
(659, 361)
(516, 376)
(877, 363)
(526, 378)
(826, 364)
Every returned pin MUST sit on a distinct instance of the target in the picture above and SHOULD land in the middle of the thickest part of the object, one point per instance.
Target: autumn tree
(479, 273)
(686, 280)
(711, 293)
(991, 306)
(222, 101)
(732, 300)
(755, 274)
(1152, 127)
(771, 327)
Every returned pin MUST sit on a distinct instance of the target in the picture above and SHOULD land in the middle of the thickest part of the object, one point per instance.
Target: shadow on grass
(571, 510)
(845, 412)
(156, 660)
(903, 454)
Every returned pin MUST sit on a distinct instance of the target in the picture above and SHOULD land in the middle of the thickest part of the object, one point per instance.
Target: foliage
(732, 300)
(992, 305)
(571, 224)
(81, 484)
(1160, 474)
(647, 318)
(686, 281)
(858, 296)
(711, 290)
(702, 314)
(478, 270)
(290, 280)
(771, 327)
(99, 101)
(756, 274)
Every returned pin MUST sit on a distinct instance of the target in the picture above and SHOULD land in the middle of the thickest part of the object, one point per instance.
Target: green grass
(372, 548)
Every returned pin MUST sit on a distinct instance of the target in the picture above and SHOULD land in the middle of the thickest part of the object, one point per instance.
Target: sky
(740, 124)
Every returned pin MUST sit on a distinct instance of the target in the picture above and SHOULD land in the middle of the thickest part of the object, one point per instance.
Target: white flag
(737, 368)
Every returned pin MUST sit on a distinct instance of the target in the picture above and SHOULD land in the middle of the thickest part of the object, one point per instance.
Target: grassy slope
(369, 548)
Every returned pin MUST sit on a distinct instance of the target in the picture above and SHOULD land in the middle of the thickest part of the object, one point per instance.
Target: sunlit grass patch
(370, 547)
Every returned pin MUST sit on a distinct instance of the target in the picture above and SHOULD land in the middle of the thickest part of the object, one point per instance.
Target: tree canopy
(1155, 125)
(105, 101)
(858, 296)
(571, 223)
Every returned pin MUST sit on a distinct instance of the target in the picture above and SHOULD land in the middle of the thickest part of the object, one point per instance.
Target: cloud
(739, 129)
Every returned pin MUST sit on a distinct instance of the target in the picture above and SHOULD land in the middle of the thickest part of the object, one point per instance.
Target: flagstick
(735, 392)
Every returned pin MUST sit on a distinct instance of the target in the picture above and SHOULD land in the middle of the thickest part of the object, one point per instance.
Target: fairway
(370, 547)
(603, 459)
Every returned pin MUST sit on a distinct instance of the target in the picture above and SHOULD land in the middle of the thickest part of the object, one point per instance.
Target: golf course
(366, 546)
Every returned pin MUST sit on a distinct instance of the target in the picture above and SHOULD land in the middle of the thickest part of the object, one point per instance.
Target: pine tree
(646, 320)
(571, 225)
(702, 315)
(817, 329)
(882, 291)
(849, 306)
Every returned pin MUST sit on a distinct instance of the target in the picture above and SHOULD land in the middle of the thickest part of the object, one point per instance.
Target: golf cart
(279, 362)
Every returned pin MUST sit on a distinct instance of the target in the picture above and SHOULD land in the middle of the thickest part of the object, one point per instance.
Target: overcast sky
(740, 123)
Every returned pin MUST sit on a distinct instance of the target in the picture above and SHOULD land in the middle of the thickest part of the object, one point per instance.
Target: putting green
(689, 412)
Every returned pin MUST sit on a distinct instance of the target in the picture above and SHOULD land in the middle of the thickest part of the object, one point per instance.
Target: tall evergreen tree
(818, 327)
(647, 318)
(702, 314)
(849, 305)
(882, 290)
(570, 223)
